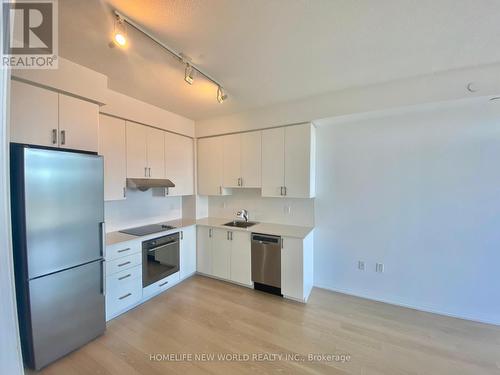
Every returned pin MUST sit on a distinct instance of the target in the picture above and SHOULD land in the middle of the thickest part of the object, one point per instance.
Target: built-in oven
(160, 258)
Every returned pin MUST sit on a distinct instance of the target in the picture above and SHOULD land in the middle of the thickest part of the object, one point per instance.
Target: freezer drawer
(67, 311)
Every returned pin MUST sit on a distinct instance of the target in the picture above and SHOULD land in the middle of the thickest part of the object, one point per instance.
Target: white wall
(141, 208)
(132, 109)
(274, 210)
(446, 86)
(419, 192)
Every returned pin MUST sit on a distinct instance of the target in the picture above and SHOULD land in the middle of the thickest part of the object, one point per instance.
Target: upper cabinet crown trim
(143, 124)
(258, 129)
(56, 90)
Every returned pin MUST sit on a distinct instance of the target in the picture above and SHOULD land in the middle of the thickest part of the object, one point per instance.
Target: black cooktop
(147, 229)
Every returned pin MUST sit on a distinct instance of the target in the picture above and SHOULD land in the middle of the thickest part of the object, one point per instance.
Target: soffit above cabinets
(270, 52)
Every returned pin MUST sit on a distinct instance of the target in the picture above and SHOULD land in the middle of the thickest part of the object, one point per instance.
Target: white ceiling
(272, 51)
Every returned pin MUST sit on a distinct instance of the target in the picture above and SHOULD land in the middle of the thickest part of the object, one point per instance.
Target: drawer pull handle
(123, 264)
(124, 277)
(125, 296)
(123, 250)
(162, 284)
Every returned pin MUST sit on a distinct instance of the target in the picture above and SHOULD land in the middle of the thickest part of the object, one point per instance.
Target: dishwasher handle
(270, 240)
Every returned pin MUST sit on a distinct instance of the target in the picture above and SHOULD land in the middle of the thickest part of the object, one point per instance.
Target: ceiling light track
(221, 94)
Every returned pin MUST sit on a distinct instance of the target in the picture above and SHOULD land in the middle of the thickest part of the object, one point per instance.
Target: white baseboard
(409, 306)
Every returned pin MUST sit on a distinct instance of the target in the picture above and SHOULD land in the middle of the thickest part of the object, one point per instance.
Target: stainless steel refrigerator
(57, 228)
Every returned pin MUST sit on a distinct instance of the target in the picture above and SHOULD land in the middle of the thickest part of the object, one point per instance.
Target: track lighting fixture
(188, 74)
(120, 39)
(221, 95)
(120, 32)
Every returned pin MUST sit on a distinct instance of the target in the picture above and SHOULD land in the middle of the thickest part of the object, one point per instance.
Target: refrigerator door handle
(103, 237)
(103, 279)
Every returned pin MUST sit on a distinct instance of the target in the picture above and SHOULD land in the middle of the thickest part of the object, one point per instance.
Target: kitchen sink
(240, 224)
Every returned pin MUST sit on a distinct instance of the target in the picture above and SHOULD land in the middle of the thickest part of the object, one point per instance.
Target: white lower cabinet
(241, 258)
(297, 267)
(204, 250)
(221, 253)
(160, 286)
(188, 252)
(123, 277)
(123, 291)
(224, 254)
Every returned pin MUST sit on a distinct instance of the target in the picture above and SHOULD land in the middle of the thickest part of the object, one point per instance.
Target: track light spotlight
(120, 33)
(221, 95)
(188, 74)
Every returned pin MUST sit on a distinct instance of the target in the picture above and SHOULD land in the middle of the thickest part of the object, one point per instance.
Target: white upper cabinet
(179, 164)
(231, 160)
(288, 156)
(112, 146)
(210, 166)
(251, 159)
(33, 115)
(136, 150)
(46, 118)
(273, 162)
(242, 160)
(78, 124)
(145, 151)
(155, 153)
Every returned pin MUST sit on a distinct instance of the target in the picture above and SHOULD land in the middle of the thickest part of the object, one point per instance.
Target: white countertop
(118, 237)
(283, 230)
(264, 228)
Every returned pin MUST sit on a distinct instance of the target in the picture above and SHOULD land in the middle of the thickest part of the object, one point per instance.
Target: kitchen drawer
(161, 285)
(122, 249)
(123, 297)
(116, 280)
(123, 263)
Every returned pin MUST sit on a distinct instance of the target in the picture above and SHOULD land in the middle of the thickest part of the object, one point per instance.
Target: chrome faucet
(243, 214)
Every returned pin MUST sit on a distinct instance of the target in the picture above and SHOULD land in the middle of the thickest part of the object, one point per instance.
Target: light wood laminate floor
(202, 315)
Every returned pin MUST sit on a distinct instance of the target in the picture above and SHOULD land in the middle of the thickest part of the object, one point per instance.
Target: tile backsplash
(141, 208)
(289, 211)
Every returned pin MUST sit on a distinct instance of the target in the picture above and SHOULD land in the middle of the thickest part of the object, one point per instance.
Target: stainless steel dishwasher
(266, 263)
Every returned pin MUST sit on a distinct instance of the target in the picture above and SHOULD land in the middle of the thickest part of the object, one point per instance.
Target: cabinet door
(33, 115)
(251, 159)
(78, 124)
(221, 254)
(241, 260)
(204, 250)
(292, 278)
(156, 153)
(273, 162)
(231, 164)
(210, 165)
(112, 146)
(188, 252)
(136, 150)
(298, 161)
(179, 166)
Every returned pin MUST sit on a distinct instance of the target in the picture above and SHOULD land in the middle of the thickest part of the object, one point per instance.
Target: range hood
(144, 184)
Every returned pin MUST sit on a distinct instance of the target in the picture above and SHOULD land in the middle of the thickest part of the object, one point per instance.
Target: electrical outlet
(361, 265)
(379, 267)
(287, 209)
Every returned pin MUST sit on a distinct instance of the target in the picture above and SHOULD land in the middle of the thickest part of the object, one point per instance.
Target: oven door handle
(165, 244)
